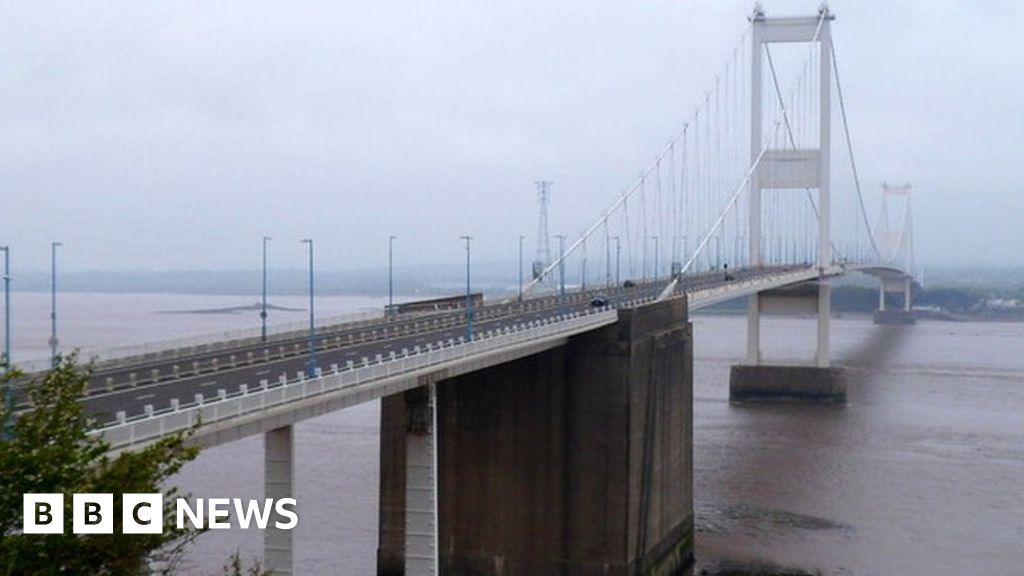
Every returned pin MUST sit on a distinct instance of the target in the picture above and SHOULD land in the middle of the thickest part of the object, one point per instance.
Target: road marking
(262, 372)
(144, 397)
(210, 383)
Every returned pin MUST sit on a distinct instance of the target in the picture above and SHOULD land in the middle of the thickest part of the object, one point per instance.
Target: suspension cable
(849, 149)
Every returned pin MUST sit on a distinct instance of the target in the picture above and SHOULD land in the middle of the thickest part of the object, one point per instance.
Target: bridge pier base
(894, 317)
(819, 383)
(278, 475)
(902, 316)
(576, 460)
(799, 383)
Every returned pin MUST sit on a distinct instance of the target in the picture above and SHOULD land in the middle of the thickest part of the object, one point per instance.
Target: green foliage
(1016, 293)
(234, 567)
(950, 299)
(50, 450)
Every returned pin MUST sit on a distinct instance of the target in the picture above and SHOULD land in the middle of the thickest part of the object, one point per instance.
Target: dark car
(628, 284)
(599, 301)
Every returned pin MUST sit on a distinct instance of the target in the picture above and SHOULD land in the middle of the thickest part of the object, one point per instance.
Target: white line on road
(210, 383)
(144, 397)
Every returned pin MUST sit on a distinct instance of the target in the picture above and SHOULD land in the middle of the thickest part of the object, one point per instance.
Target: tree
(235, 567)
(951, 299)
(50, 450)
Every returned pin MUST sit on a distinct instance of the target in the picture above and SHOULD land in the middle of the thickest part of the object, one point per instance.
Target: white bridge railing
(266, 394)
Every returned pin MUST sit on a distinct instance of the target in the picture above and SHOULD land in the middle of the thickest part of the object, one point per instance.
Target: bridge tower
(543, 258)
(794, 170)
(896, 245)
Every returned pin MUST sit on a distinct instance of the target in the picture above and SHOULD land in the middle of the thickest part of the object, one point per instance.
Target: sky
(173, 135)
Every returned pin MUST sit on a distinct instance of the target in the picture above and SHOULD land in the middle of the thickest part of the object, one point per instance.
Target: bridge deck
(161, 396)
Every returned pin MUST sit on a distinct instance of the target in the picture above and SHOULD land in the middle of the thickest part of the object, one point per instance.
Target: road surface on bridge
(130, 387)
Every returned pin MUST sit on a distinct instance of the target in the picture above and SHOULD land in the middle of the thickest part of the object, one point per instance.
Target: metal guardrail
(267, 394)
(708, 296)
(170, 349)
(153, 424)
(210, 341)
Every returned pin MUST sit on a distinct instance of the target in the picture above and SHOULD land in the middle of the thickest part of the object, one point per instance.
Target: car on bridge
(599, 301)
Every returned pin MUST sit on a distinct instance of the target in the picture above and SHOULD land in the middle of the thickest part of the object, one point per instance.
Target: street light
(607, 259)
(469, 294)
(618, 253)
(263, 309)
(391, 282)
(655, 238)
(5, 361)
(561, 273)
(53, 303)
(311, 366)
(583, 267)
(521, 238)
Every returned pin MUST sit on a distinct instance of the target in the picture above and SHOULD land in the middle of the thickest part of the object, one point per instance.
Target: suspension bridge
(584, 394)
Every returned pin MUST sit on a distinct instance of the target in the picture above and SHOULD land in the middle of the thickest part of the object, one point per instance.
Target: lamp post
(6, 360)
(391, 275)
(607, 260)
(311, 366)
(618, 253)
(655, 238)
(561, 273)
(469, 294)
(583, 267)
(53, 303)
(263, 308)
(521, 238)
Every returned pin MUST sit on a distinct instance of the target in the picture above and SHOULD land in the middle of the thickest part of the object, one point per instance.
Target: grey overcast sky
(174, 134)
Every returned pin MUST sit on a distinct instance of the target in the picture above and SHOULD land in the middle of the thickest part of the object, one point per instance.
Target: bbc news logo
(144, 513)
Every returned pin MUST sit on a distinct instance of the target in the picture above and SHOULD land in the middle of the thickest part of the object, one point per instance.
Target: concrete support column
(278, 475)
(818, 382)
(824, 356)
(421, 520)
(573, 460)
(825, 146)
(881, 295)
(754, 209)
(754, 330)
(906, 295)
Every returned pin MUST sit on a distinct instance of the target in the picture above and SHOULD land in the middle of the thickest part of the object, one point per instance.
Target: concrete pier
(894, 317)
(278, 482)
(901, 316)
(787, 383)
(578, 460)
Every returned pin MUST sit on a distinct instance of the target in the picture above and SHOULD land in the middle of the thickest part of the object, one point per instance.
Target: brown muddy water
(922, 473)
